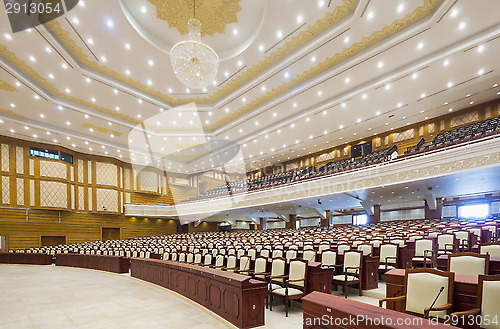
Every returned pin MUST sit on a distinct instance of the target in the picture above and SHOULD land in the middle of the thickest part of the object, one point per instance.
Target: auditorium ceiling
(295, 76)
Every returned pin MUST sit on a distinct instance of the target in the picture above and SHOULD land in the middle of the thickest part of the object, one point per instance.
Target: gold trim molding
(214, 15)
(6, 86)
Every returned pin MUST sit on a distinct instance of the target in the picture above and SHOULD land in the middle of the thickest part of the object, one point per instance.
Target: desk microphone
(434, 302)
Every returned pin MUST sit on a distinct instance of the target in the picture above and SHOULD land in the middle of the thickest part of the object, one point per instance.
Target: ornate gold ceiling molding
(329, 19)
(11, 113)
(102, 129)
(214, 15)
(338, 13)
(6, 86)
(409, 19)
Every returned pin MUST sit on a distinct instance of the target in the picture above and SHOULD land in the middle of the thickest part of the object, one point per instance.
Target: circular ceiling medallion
(214, 15)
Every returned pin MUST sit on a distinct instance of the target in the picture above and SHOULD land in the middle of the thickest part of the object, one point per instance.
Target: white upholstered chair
(488, 306)
(309, 255)
(424, 253)
(351, 271)
(468, 263)
(493, 249)
(388, 257)
(294, 285)
(421, 288)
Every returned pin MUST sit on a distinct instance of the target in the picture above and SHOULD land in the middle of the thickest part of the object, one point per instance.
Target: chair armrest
(295, 280)
(278, 277)
(439, 308)
(353, 268)
(391, 299)
(230, 268)
(474, 311)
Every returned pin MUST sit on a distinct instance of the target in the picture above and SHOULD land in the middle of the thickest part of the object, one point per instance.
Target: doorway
(110, 233)
(53, 240)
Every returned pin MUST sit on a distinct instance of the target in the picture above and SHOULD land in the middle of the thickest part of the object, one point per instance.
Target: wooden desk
(464, 292)
(115, 264)
(319, 307)
(25, 258)
(494, 268)
(235, 297)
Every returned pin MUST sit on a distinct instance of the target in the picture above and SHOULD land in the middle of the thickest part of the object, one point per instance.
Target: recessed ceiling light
(12, 105)
(7, 36)
(450, 109)
(51, 76)
(370, 15)
(263, 88)
(37, 97)
(110, 23)
(35, 136)
(346, 39)
(480, 48)
(454, 12)
(450, 84)
(93, 100)
(313, 59)
(292, 125)
(68, 123)
(275, 114)
(68, 90)
(144, 9)
(32, 58)
(321, 3)
(341, 127)
(75, 21)
(139, 101)
(358, 120)
(347, 80)
(60, 108)
(422, 95)
(117, 108)
(286, 75)
(471, 102)
(462, 26)
(26, 127)
(387, 86)
(151, 62)
(279, 34)
(261, 47)
(86, 116)
(42, 116)
(320, 93)
(480, 72)
(401, 7)
(300, 19)
(64, 66)
(420, 45)
(90, 41)
(235, 31)
(103, 58)
(227, 109)
(400, 104)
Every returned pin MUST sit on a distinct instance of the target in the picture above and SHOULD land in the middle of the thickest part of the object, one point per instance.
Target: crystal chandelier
(195, 64)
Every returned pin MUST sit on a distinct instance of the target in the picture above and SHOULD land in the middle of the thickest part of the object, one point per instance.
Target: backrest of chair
(309, 255)
(365, 248)
(298, 271)
(166, 255)
(491, 249)
(342, 248)
(208, 259)
(291, 254)
(174, 256)
(328, 258)
(293, 247)
(245, 263)
(422, 287)
(489, 290)
(324, 246)
(197, 258)
(400, 242)
(352, 259)
(252, 253)
(240, 252)
(462, 236)
(388, 250)
(182, 257)
(422, 245)
(219, 260)
(260, 267)
(444, 240)
(468, 263)
(278, 268)
(189, 258)
(264, 253)
(231, 262)
(277, 253)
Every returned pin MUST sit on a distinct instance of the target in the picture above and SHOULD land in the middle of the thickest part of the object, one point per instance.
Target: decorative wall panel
(408, 134)
(53, 194)
(32, 167)
(19, 160)
(108, 199)
(148, 181)
(5, 190)
(32, 193)
(464, 119)
(127, 179)
(89, 170)
(80, 171)
(5, 157)
(90, 204)
(20, 192)
(81, 198)
(432, 127)
(54, 169)
(106, 174)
